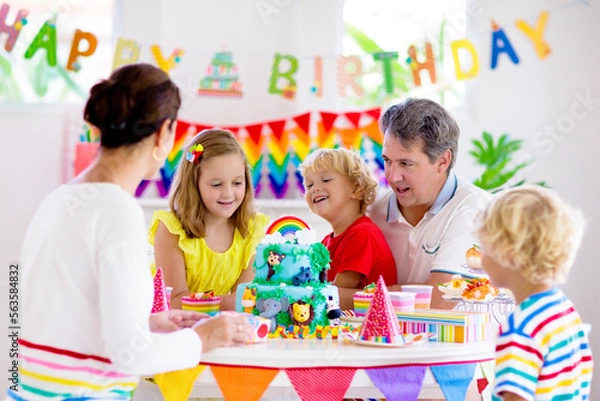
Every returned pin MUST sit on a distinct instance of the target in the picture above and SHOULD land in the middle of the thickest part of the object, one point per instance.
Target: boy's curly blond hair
(530, 229)
(348, 164)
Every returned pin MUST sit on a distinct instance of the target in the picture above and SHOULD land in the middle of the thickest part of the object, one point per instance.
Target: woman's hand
(224, 330)
(173, 320)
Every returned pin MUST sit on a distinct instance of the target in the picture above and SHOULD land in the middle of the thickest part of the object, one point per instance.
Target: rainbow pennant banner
(253, 145)
(300, 145)
(278, 176)
(283, 144)
(279, 157)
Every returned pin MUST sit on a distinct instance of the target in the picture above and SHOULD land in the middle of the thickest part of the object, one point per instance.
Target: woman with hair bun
(87, 332)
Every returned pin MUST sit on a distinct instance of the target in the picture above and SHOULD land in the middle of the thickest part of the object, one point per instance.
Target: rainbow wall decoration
(278, 147)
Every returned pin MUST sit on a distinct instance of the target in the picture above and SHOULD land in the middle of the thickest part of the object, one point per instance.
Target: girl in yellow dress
(207, 240)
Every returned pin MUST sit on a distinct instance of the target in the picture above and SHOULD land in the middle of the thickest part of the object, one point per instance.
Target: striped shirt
(542, 352)
(50, 372)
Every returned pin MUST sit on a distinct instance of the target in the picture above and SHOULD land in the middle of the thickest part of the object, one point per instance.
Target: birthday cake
(289, 285)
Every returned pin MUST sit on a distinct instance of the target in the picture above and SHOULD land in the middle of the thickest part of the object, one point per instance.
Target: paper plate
(452, 298)
(479, 272)
(352, 319)
(416, 339)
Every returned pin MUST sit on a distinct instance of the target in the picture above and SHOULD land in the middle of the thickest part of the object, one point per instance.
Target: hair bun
(132, 104)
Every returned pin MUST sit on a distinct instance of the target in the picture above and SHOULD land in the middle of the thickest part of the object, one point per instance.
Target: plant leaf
(367, 44)
(39, 78)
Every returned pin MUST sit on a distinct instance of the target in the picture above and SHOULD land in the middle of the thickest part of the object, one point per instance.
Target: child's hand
(224, 330)
(173, 320)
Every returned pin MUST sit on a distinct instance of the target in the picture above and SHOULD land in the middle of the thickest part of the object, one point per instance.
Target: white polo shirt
(439, 241)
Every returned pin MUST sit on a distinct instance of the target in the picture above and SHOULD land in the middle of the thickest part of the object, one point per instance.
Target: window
(395, 25)
(34, 80)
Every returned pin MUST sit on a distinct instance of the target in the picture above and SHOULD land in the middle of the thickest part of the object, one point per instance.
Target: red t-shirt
(361, 248)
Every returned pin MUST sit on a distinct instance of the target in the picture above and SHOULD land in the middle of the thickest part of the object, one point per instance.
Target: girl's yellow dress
(208, 270)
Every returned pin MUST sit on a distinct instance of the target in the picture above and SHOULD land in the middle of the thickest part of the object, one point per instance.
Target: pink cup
(423, 294)
(403, 301)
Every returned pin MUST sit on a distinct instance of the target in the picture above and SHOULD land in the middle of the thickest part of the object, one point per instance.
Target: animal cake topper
(302, 313)
(334, 313)
(274, 259)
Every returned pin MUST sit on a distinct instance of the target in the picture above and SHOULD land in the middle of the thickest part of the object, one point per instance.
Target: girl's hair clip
(194, 153)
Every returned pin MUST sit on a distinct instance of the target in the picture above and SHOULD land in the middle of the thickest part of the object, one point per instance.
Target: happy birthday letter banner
(276, 148)
(222, 77)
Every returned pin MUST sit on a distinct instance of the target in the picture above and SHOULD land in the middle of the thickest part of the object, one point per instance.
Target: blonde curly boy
(529, 238)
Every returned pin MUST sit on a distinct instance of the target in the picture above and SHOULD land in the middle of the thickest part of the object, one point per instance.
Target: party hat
(160, 294)
(380, 324)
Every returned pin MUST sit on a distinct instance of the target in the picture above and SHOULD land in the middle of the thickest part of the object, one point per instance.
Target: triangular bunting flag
(278, 155)
(326, 384)
(380, 324)
(256, 170)
(301, 136)
(182, 128)
(301, 151)
(328, 120)
(299, 182)
(354, 117)
(454, 379)
(280, 145)
(325, 139)
(488, 371)
(243, 384)
(255, 132)
(197, 128)
(257, 189)
(388, 380)
(253, 151)
(303, 121)
(161, 303)
(178, 385)
(234, 130)
(163, 191)
(166, 180)
(277, 128)
(482, 384)
(375, 113)
(278, 167)
(373, 132)
(350, 137)
(279, 189)
(141, 188)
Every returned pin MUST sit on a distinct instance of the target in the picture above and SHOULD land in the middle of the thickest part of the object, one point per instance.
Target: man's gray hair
(417, 121)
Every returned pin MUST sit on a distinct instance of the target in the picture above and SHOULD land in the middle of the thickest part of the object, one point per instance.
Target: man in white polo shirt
(427, 214)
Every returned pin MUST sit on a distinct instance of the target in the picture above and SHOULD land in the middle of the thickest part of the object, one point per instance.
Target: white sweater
(86, 295)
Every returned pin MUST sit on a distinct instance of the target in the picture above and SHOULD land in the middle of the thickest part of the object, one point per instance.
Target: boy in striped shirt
(529, 238)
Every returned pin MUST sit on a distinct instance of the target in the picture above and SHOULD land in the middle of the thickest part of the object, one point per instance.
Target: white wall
(518, 99)
(254, 34)
(527, 98)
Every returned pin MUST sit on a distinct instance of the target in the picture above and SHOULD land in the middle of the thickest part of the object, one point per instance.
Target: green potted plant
(496, 157)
